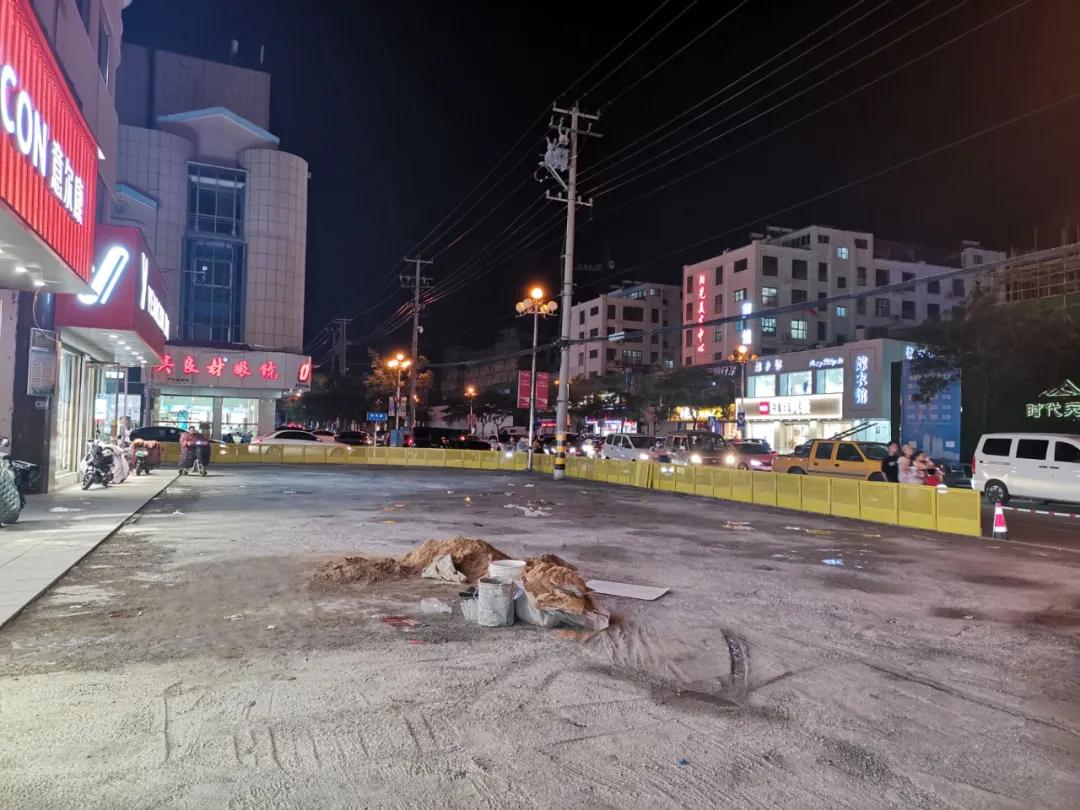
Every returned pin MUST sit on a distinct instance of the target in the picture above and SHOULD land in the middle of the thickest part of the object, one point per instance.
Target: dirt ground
(797, 662)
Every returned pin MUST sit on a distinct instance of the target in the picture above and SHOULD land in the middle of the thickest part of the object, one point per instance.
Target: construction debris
(364, 570)
(471, 557)
(646, 592)
(442, 568)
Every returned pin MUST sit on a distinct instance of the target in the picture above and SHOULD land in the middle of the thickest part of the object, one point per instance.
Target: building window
(103, 43)
(770, 296)
(636, 314)
(770, 266)
(718, 333)
(594, 311)
(610, 354)
(740, 295)
(654, 315)
(718, 357)
(632, 357)
(718, 277)
(689, 339)
(740, 265)
(688, 361)
(881, 277)
(798, 296)
(881, 307)
(762, 385)
(610, 330)
(841, 252)
(594, 353)
(933, 287)
(594, 332)
(830, 381)
(212, 291)
(690, 311)
(907, 310)
(822, 271)
(860, 306)
(907, 276)
(821, 331)
(740, 325)
(768, 326)
(215, 200)
(798, 268)
(611, 310)
(581, 359)
(958, 287)
(933, 311)
(841, 312)
(798, 330)
(823, 239)
(860, 276)
(861, 244)
(690, 283)
(581, 317)
(654, 357)
(841, 282)
(796, 383)
(654, 339)
(718, 304)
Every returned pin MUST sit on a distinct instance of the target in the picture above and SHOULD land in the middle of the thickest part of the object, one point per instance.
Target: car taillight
(973, 465)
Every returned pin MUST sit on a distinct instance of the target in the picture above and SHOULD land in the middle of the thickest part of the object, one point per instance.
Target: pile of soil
(556, 586)
(553, 559)
(366, 570)
(471, 557)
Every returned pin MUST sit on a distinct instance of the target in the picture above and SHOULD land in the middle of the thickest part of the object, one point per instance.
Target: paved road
(798, 661)
(1037, 525)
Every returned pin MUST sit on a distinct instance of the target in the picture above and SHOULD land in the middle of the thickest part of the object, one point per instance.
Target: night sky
(402, 107)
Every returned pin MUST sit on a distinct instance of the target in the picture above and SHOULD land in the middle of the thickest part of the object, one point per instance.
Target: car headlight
(572, 451)
(695, 459)
(510, 454)
(730, 459)
(643, 456)
(755, 463)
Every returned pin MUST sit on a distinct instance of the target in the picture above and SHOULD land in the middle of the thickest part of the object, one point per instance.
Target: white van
(1042, 466)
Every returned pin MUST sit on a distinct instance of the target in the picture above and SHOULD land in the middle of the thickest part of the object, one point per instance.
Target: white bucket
(510, 570)
(495, 603)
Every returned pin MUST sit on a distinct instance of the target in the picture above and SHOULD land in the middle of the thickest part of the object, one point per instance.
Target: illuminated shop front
(799, 396)
(235, 391)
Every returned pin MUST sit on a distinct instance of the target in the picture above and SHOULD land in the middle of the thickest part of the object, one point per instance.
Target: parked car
(432, 437)
(354, 438)
(573, 445)
(631, 447)
(286, 436)
(468, 441)
(847, 459)
(157, 433)
(324, 435)
(1043, 466)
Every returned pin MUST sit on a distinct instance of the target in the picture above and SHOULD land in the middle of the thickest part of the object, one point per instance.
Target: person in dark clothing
(889, 466)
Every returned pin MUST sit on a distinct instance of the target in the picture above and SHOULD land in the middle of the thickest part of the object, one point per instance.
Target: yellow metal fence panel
(764, 488)
(703, 481)
(789, 491)
(917, 506)
(959, 511)
(721, 486)
(684, 479)
(452, 458)
(815, 494)
(643, 474)
(845, 497)
(742, 485)
(879, 501)
(664, 478)
(222, 454)
(359, 455)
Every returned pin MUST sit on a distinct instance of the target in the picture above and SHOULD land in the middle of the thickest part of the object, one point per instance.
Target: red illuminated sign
(304, 374)
(701, 313)
(268, 370)
(190, 367)
(167, 365)
(763, 408)
(48, 158)
(216, 366)
(241, 369)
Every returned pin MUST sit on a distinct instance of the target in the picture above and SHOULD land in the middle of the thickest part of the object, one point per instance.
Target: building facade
(793, 268)
(224, 210)
(634, 308)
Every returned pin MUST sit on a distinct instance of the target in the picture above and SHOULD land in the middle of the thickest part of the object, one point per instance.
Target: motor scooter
(99, 464)
(16, 479)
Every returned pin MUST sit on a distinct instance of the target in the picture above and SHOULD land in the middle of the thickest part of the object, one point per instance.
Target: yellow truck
(846, 459)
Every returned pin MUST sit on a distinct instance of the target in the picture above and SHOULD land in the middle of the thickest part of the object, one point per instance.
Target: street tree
(694, 388)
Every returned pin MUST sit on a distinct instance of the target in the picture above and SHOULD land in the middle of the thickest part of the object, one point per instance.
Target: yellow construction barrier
(816, 494)
(959, 511)
(703, 481)
(643, 474)
(845, 497)
(764, 488)
(664, 479)
(789, 491)
(917, 506)
(684, 478)
(742, 485)
(721, 487)
(879, 501)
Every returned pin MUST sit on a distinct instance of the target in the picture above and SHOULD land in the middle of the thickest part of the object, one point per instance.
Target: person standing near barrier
(889, 466)
(906, 466)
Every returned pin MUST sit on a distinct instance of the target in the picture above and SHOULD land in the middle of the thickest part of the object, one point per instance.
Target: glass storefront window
(796, 383)
(183, 411)
(763, 385)
(66, 405)
(239, 417)
(830, 381)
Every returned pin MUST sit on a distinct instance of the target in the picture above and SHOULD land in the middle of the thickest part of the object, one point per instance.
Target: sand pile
(556, 586)
(471, 557)
(366, 570)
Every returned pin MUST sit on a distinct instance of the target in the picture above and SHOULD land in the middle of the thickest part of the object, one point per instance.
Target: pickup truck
(846, 459)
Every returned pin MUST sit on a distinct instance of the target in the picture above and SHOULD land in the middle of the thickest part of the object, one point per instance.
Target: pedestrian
(889, 467)
(187, 447)
(905, 466)
(926, 470)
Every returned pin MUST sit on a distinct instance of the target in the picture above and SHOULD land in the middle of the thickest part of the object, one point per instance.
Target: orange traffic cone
(1001, 530)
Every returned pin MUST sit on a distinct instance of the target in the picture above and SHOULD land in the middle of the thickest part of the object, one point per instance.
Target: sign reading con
(1062, 402)
(48, 158)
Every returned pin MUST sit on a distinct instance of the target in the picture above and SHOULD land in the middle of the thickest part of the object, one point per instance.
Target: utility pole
(342, 347)
(558, 159)
(416, 282)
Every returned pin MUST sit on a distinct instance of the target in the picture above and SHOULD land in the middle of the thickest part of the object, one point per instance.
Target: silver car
(629, 447)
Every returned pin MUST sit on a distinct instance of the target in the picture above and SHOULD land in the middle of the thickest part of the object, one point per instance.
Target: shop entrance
(183, 411)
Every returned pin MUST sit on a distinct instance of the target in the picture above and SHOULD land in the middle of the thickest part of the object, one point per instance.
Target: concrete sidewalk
(57, 530)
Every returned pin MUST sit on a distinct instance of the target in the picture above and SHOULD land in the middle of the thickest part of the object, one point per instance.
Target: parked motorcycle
(98, 464)
(16, 479)
(145, 456)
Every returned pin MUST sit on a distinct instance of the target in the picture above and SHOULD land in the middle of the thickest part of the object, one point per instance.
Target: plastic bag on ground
(442, 568)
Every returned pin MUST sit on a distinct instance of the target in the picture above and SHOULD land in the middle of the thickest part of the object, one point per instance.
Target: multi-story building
(636, 308)
(224, 211)
(797, 268)
(480, 373)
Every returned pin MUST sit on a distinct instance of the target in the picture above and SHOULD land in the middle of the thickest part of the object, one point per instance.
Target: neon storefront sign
(862, 379)
(149, 301)
(1064, 403)
(701, 313)
(826, 362)
(104, 279)
(219, 366)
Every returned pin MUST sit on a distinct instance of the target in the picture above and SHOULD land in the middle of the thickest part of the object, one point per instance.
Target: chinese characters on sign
(207, 367)
(701, 313)
(768, 366)
(785, 406)
(1066, 404)
(862, 379)
(189, 365)
(241, 369)
(167, 365)
(268, 370)
(216, 366)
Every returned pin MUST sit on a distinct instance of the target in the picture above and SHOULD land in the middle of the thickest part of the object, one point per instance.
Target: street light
(470, 395)
(742, 355)
(533, 305)
(399, 362)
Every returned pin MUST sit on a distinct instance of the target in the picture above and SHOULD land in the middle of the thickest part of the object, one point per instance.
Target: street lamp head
(742, 349)
(552, 306)
(520, 306)
(470, 391)
(392, 363)
(399, 357)
(536, 293)
(406, 363)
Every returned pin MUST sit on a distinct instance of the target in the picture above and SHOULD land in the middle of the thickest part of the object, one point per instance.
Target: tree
(694, 388)
(381, 381)
(606, 397)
